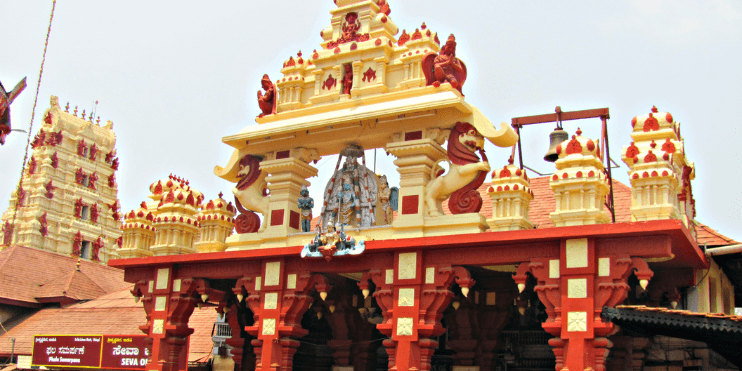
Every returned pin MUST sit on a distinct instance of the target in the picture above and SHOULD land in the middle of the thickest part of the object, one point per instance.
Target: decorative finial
(298, 54)
(98, 120)
(579, 132)
(78, 264)
(221, 194)
(511, 160)
(423, 26)
(654, 109)
(67, 107)
(83, 114)
(75, 113)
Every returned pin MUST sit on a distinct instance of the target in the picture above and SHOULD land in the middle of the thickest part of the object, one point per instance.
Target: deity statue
(351, 195)
(267, 101)
(445, 67)
(306, 204)
(332, 243)
(348, 79)
(351, 26)
(389, 199)
(6, 98)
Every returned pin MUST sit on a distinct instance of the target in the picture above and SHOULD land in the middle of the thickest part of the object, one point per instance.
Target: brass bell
(557, 136)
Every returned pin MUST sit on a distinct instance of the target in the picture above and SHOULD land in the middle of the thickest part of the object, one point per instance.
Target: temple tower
(659, 171)
(579, 184)
(216, 222)
(139, 233)
(68, 201)
(511, 197)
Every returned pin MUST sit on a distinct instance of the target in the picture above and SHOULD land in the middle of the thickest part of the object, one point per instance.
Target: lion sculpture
(250, 195)
(467, 172)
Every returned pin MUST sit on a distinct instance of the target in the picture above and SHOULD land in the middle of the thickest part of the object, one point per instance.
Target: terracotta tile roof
(112, 314)
(710, 237)
(29, 275)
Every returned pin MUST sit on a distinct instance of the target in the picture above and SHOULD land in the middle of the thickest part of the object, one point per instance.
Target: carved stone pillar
(288, 171)
(278, 303)
(416, 159)
(412, 300)
(574, 288)
(169, 304)
(628, 353)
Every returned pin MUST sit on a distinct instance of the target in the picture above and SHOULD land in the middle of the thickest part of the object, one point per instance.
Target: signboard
(124, 352)
(23, 363)
(91, 351)
(67, 350)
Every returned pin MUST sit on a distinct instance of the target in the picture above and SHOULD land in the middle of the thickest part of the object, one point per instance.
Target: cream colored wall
(714, 293)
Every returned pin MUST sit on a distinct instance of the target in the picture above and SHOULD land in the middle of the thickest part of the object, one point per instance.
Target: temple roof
(31, 277)
(115, 313)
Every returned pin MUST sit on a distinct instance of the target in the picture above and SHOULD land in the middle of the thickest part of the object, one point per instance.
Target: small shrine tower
(68, 199)
(176, 222)
(579, 184)
(659, 171)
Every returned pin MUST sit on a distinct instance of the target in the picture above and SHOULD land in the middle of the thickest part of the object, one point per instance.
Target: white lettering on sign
(71, 350)
(120, 351)
(133, 361)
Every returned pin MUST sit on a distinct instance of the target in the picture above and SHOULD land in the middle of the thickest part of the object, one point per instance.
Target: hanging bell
(557, 136)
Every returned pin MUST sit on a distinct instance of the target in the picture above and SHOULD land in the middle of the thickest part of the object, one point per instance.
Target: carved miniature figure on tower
(348, 79)
(384, 7)
(267, 101)
(389, 198)
(306, 204)
(6, 98)
(445, 67)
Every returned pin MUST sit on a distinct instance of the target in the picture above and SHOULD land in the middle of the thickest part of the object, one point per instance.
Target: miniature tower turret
(176, 227)
(511, 196)
(216, 222)
(139, 233)
(579, 184)
(659, 171)
(68, 194)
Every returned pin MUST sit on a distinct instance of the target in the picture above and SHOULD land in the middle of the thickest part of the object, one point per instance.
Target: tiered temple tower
(68, 201)
(171, 223)
(579, 184)
(659, 171)
(511, 197)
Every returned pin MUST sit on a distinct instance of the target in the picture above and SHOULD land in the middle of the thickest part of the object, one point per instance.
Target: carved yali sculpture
(267, 101)
(444, 66)
(250, 194)
(6, 98)
(467, 172)
(351, 195)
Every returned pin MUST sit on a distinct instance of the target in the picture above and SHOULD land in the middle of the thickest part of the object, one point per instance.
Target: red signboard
(124, 352)
(119, 352)
(79, 351)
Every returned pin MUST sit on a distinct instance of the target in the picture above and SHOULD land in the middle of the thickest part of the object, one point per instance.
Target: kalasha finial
(579, 132)
(654, 109)
(423, 26)
(67, 107)
(298, 54)
(143, 205)
(221, 194)
(75, 113)
(83, 114)
(511, 160)
(98, 120)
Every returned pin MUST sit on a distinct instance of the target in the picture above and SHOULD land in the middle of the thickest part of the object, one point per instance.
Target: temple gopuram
(68, 199)
(447, 271)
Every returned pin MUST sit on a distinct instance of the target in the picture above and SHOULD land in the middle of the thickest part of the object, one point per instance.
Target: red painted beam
(684, 248)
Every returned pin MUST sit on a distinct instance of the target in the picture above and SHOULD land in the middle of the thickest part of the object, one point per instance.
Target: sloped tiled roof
(113, 314)
(711, 237)
(30, 275)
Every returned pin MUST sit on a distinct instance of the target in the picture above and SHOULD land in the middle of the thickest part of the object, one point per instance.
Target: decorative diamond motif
(576, 321)
(407, 266)
(269, 326)
(404, 326)
(406, 298)
(271, 300)
(158, 326)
